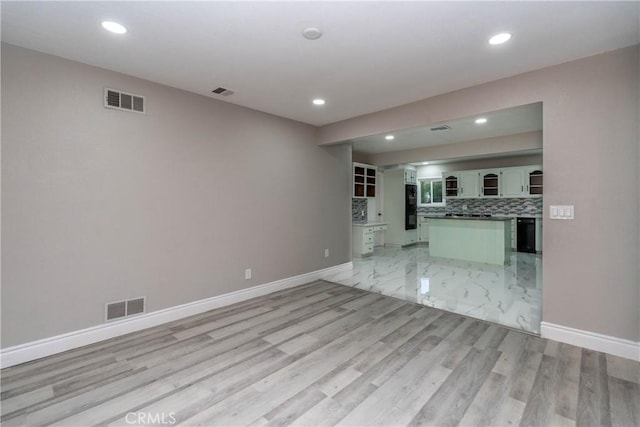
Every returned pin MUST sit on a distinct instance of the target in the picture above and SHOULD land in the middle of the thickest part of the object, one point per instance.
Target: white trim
(45, 347)
(591, 340)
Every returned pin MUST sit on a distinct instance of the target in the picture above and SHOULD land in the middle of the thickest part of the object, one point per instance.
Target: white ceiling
(372, 56)
(526, 118)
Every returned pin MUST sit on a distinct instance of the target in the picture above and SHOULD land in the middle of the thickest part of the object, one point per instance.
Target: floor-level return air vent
(119, 100)
(120, 309)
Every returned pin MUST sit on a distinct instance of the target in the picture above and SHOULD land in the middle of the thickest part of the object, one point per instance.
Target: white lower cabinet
(364, 238)
(410, 237)
(423, 228)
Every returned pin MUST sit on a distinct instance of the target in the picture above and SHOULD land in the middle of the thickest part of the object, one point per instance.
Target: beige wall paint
(101, 205)
(591, 160)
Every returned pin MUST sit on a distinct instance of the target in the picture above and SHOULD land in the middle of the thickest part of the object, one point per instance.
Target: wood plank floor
(324, 354)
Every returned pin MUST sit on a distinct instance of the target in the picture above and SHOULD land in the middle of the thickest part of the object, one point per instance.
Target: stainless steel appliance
(411, 207)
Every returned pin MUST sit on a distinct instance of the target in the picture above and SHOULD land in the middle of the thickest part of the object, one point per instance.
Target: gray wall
(101, 205)
(591, 160)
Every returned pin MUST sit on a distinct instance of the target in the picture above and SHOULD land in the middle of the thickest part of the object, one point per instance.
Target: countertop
(368, 224)
(471, 218)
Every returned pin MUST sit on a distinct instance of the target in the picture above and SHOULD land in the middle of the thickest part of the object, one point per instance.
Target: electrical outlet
(247, 274)
(326, 253)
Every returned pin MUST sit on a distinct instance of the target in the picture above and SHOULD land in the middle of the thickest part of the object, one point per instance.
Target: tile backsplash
(359, 210)
(499, 207)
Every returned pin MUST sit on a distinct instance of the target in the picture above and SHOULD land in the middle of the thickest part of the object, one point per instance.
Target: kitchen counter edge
(368, 224)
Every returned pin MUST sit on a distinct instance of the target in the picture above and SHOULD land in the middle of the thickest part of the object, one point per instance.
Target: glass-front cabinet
(451, 185)
(364, 180)
(490, 183)
(534, 182)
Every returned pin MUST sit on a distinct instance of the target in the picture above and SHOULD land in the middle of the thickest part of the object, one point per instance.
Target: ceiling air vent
(440, 128)
(119, 100)
(223, 91)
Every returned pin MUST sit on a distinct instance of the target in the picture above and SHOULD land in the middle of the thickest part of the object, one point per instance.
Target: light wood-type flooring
(324, 354)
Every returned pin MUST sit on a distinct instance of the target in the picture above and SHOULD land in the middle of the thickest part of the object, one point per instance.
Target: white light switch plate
(561, 212)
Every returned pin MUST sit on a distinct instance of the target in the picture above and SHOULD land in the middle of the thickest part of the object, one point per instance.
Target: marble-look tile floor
(510, 295)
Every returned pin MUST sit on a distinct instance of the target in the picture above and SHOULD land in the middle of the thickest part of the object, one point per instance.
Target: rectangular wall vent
(440, 128)
(119, 100)
(223, 91)
(120, 309)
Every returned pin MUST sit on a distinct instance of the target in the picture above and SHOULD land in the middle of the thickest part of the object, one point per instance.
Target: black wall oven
(411, 207)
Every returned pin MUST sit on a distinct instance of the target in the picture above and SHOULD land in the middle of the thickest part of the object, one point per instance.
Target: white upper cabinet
(469, 184)
(410, 176)
(451, 184)
(364, 180)
(533, 181)
(490, 183)
(521, 181)
(513, 182)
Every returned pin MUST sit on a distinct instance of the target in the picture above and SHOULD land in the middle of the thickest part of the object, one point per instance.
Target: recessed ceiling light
(500, 38)
(312, 33)
(318, 101)
(425, 163)
(114, 27)
(389, 137)
(481, 121)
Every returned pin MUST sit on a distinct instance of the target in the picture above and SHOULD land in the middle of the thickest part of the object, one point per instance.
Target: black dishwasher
(526, 235)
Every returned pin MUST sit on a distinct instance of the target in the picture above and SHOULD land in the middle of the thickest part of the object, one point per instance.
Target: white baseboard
(45, 347)
(591, 340)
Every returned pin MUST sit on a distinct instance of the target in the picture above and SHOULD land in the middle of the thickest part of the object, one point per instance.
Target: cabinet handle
(521, 188)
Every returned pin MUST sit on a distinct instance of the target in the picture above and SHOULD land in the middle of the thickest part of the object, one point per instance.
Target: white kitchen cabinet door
(364, 180)
(533, 181)
(451, 184)
(490, 183)
(410, 237)
(469, 185)
(512, 182)
(424, 231)
(362, 244)
(410, 176)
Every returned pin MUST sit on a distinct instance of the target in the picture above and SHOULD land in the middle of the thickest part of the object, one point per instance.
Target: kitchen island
(477, 239)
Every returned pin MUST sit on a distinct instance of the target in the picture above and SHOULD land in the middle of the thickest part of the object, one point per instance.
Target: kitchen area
(462, 234)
